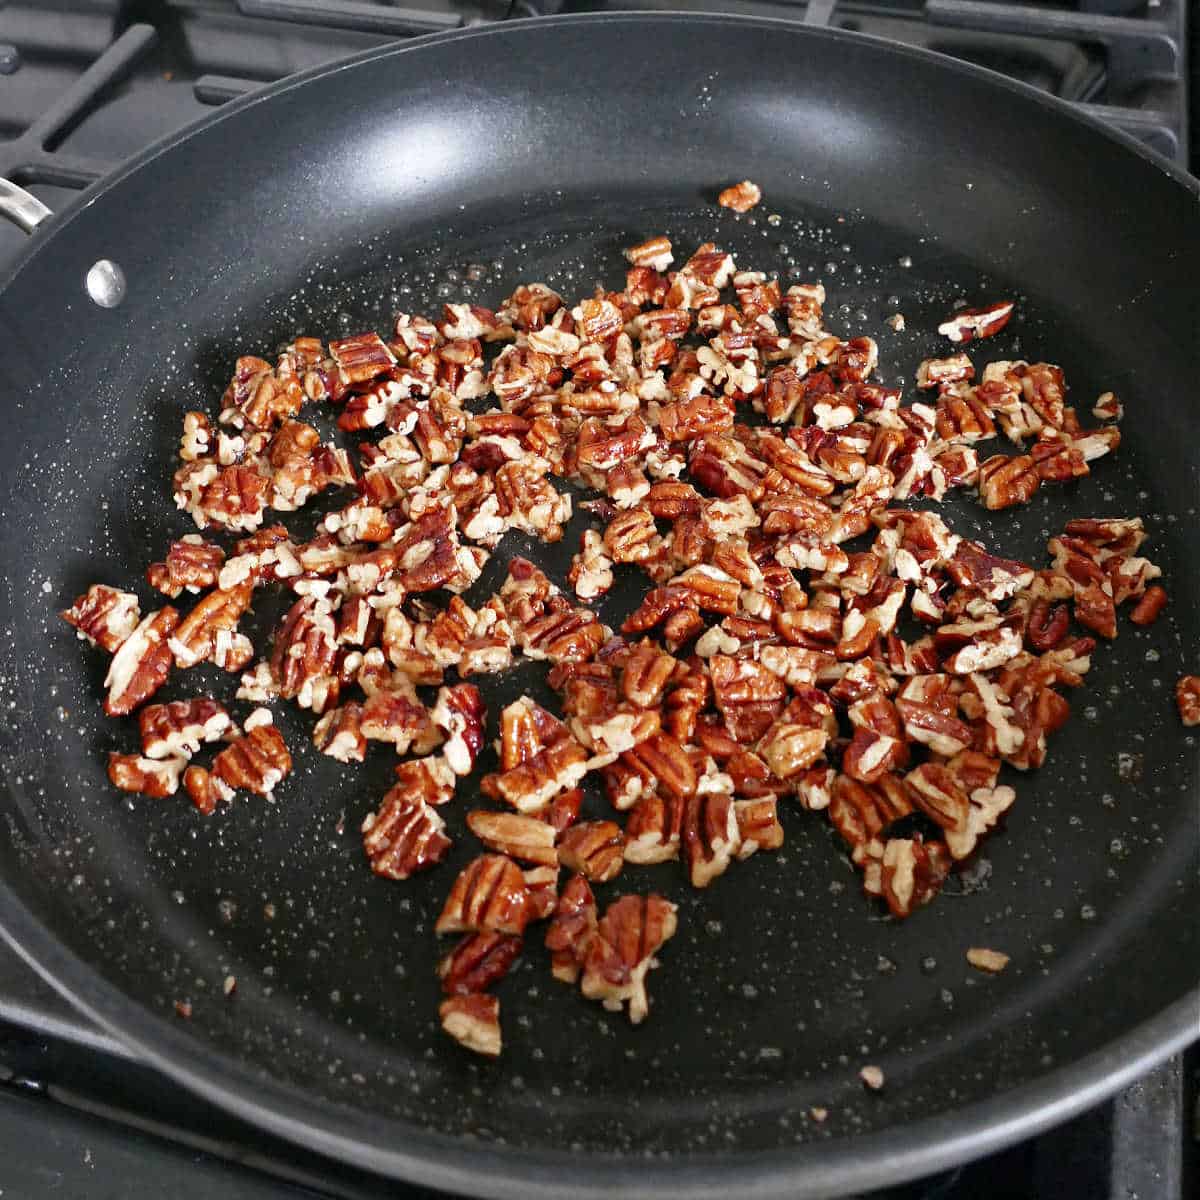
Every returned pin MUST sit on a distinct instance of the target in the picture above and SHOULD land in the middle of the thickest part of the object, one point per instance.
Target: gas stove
(86, 83)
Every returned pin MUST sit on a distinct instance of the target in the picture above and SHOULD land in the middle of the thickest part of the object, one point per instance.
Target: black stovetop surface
(86, 83)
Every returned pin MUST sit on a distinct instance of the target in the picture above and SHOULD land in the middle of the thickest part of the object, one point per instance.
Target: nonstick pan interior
(783, 979)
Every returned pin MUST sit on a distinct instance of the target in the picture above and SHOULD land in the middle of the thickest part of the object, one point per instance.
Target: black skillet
(536, 151)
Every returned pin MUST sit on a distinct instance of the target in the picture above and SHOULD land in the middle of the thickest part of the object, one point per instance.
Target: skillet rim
(435, 1160)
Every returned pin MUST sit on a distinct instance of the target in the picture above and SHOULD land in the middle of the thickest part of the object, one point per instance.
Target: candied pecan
(622, 950)
(645, 674)
(654, 254)
(141, 663)
(563, 635)
(709, 835)
(474, 1022)
(258, 760)
(361, 358)
(202, 789)
(191, 563)
(935, 791)
(662, 758)
(235, 498)
(871, 755)
(104, 616)
(194, 640)
(593, 849)
(1149, 607)
(157, 777)
(912, 873)
(179, 728)
(459, 713)
(1095, 610)
(789, 749)
(1187, 699)
(428, 779)
(477, 962)
(862, 812)
(653, 829)
(571, 930)
(404, 836)
(395, 715)
(1004, 482)
(741, 197)
(529, 502)
(526, 838)
(758, 825)
(1048, 625)
(302, 661)
(539, 758)
(747, 694)
(988, 805)
(339, 734)
(591, 569)
(489, 896)
(936, 372)
(969, 323)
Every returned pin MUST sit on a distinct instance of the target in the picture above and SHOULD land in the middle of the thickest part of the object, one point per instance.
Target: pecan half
(404, 836)
(195, 639)
(528, 839)
(257, 761)
(489, 896)
(758, 825)
(632, 930)
(477, 962)
(912, 873)
(141, 663)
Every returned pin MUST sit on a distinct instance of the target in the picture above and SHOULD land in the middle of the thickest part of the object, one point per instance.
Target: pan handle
(20, 207)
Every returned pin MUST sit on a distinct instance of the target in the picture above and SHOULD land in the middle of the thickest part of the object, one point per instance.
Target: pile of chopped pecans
(765, 660)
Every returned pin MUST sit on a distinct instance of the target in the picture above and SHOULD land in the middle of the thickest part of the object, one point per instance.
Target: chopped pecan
(203, 790)
(191, 563)
(662, 758)
(362, 358)
(709, 835)
(936, 372)
(1004, 482)
(747, 694)
(741, 197)
(593, 849)
(522, 837)
(654, 254)
(395, 715)
(302, 660)
(1149, 607)
(141, 663)
(539, 758)
(758, 825)
(988, 805)
(194, 640)
(477, 962)
(912, 873)
(789, 749)
(181, 727)
(157, 777)
(339, 734)
(489, 896)
(428, 779)
(969, 323)
(257, 761)
(652, 830)
(571, 930)
(591, 569)
(1187, 699)
(622, 950)
(104, 616)
(404, 836)
(459, 713)
(474, 1022)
